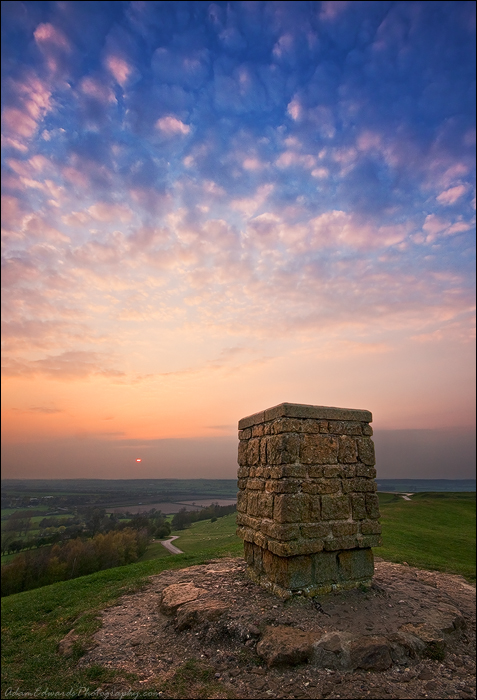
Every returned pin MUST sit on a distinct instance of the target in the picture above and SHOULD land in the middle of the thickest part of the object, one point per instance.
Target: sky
(210, 208)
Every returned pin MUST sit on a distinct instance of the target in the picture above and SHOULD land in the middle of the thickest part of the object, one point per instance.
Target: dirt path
(169, 546)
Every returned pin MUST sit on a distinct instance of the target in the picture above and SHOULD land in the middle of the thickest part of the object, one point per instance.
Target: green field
(433, 531)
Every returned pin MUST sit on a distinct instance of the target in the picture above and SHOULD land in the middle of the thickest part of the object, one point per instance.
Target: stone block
(248, 521)
(291, 508)
(356, 564)
(364, 541)
(282, 485)
(370, 527)
(340, 529)
(315, 471)
(348, 470)
(256, 484)
(358, 506)
(359, 484)
(295, 547)
(367, 429)
(321, 486)
(319, 449)
(338, 543)
(253, 452)
(325, 568)
(345, 427)
(265, 505)
(335, 507)
(243, 453)
(286, 471)
(288, 572)
(372, 506)
(315, 530)
(245, 434)
(243, 472)
(347, 450)
(366, 451)
(314, 512)
(286, 425)
(242, 501)
(363, 470)
(283, 448)
(282, 533)
(245, 533)
(332, 471)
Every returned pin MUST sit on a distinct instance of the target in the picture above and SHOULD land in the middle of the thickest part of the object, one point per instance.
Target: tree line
(73, 558)
(106, 542)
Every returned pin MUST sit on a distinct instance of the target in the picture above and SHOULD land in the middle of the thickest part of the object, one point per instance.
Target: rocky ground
(209, 632)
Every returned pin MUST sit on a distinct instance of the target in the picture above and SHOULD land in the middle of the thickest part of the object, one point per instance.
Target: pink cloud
(17, 122)
(119, 68)
(94, 88)
(102, 211)
(291, 159)
(171, 125)
(452, 194)
(53, 44)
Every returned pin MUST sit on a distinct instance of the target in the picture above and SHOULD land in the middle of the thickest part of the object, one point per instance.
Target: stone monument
(307, 507)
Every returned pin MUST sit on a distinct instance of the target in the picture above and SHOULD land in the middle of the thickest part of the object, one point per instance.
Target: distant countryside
(56, 530)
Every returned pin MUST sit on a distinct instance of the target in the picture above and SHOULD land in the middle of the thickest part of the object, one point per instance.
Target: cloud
(67, 366)
(451, 195)
(119, 68)
(171, 125)
(54, 45)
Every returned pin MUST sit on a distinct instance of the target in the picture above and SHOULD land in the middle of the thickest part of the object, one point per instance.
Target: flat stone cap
(301, 410)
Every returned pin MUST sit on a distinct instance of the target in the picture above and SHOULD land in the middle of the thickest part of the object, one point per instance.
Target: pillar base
(312, 574)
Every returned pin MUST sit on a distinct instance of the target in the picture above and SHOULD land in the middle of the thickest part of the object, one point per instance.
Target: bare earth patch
(411, 635)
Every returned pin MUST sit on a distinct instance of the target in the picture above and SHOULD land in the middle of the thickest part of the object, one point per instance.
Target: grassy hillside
(434, 531)
(431, 531)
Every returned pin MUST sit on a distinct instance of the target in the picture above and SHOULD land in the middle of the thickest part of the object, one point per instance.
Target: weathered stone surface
(198, 612)
(356, 564)
(176, 595)
(285, 646)
(319, 449)
(291, 508)
(430, 636)
(335, 507)
(283, 533)
(347, 449)
(358, 484)
(366, 451)
(283, 448)
(358, 506)
(370, 527)
(372, 505)
(343, 528)
(370, 653)
(304, 411)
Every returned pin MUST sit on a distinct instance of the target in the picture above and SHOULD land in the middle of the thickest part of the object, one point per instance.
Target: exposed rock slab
(285, 645)
(176, 595)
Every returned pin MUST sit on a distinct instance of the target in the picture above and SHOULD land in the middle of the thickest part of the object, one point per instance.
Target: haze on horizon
(210, 208)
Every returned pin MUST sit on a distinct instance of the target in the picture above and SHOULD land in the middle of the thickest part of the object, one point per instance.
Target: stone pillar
(307, 507)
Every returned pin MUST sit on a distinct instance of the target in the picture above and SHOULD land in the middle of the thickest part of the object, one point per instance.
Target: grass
(207, 537)
(33, 623)
(431, 531)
